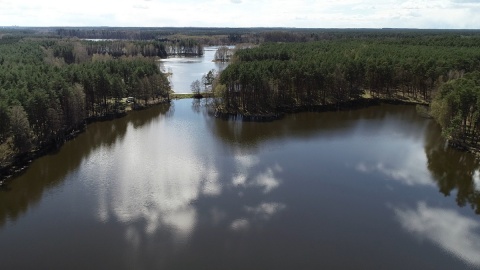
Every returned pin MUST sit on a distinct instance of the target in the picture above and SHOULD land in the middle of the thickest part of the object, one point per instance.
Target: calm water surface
(186, 70)
(173, 188)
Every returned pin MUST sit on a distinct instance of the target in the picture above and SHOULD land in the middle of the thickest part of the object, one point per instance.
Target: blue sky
(244, 13)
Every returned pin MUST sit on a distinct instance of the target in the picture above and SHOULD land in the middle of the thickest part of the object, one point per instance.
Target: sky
(436, 14)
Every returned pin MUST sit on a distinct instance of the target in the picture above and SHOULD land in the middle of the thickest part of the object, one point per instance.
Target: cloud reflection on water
(140, 184)
(409, 168)
(267, 180)
(262, 212)
(240, 224)
(457, 234)
(157, 192)
(476, 180)
(266, 210)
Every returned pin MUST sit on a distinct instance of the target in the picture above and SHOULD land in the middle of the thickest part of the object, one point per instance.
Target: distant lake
(186, 70)
(173, 188)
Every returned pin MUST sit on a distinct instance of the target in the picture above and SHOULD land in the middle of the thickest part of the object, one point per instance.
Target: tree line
(273, 77)
(49, 88)
(77, 51)
(230, 36)
(456, 108)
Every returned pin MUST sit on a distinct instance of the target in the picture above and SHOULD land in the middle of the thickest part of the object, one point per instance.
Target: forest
(50, 88)
(278, 77)
(55, 80)
(456, 109)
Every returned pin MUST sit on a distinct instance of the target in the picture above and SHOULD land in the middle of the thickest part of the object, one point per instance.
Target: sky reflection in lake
(450, 230)
(409, 168)
(186, 70)
(178, 189)
(158, 191)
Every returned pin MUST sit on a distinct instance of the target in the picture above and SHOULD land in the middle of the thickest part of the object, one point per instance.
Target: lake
(172, 187)
(186, 70)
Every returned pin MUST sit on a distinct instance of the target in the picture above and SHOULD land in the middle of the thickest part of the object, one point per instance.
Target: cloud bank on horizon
(446, 14)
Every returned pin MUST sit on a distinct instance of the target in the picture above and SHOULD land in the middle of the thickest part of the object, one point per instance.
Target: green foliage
(5, 121)
(274, 76)
(118, 48)
(456, 108)
(49, 87)
(209, 78)
(20, 128)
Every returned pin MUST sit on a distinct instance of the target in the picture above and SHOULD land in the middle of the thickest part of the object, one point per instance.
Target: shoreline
(359, 103)
(20, 162)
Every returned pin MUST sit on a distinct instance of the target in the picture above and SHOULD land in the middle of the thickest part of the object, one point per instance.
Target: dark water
(173, 188)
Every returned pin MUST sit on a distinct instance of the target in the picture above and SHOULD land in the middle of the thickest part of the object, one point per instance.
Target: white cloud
(239, 180)
(262, 212)
(266, 210)
(457, 234)
(245, 162)
(409, 170)
(244, 13)
(267, 180)
(476, 180)
(157, 194)
(410, 174)
(240, 224)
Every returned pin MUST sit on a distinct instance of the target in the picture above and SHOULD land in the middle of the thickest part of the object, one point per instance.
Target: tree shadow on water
(452, 169)
(50, 171)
